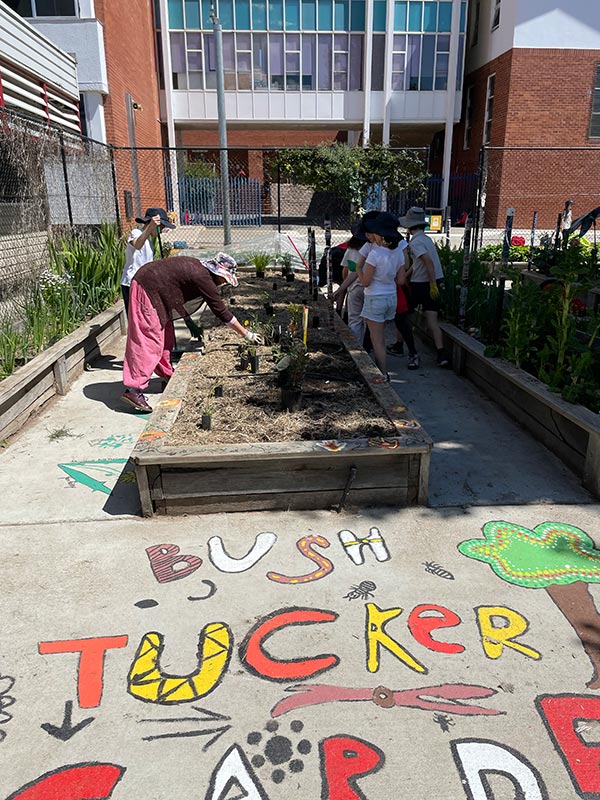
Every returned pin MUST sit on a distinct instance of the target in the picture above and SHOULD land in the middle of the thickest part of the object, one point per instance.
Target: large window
(489, 109)
(311, 45)
(277, 61)
(496, 15)
(595, 118)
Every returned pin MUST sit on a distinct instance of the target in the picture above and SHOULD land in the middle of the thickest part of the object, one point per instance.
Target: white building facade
(393, 66)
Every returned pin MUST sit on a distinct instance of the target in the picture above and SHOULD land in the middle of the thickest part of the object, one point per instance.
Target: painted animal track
(279, 750)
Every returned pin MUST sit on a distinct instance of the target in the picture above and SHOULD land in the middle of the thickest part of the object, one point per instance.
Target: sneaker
(135, 398)
(395, 349)
(442, 358)
(414, 361)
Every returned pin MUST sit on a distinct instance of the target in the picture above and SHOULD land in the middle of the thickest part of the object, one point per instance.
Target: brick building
(532, 80)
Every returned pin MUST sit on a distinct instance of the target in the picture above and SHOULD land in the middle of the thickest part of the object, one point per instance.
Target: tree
(351, 173)
(553, 556)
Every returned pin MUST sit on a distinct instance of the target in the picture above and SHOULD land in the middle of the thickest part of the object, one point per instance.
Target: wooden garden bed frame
(282, 475)
(49, 373)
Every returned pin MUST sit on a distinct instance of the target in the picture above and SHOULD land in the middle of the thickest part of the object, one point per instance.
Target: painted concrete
(81, 571)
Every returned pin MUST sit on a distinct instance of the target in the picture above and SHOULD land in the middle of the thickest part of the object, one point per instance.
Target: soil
(336, 402)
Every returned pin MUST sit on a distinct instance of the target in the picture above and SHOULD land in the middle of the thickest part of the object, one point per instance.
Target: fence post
(66, 179)
(113, 172)
(278, 197)
(478, 210)
(464, 289)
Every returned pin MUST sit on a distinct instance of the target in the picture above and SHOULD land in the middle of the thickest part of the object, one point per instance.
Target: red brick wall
(132, 69)
(542, 99)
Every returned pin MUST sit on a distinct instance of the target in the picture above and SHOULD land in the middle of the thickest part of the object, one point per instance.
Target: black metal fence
(535, 182)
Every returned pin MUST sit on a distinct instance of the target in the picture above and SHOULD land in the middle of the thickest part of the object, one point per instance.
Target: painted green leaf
(551, 553)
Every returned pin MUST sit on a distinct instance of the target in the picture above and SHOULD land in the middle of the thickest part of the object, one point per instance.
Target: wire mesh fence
(536, 182)
(52, 184)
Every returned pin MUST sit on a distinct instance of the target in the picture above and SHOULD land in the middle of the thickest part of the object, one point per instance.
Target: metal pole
(464, 289)
(278, 197)
(450, 100)
(114, 183)
(168, 97)
(367, 72)
(66, 178)
(218, 31)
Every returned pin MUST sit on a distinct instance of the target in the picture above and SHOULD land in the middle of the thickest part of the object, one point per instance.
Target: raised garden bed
(50, 372)
(353, 441)
(570, 431)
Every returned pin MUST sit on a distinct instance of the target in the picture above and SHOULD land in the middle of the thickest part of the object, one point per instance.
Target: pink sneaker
(135, 398)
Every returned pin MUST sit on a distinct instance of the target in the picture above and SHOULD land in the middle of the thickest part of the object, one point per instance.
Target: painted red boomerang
(446, 697)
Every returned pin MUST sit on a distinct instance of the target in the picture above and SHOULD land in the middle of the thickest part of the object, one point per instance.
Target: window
(496, 17)
(468, 117)
(43, 8)
(398, 62)
(595, 120)
(476, 16)
(489, 109)
(340, 61)
(377, 63)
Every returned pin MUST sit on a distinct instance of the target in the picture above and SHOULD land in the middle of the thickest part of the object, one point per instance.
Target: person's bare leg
(434, 328)
(376, 329)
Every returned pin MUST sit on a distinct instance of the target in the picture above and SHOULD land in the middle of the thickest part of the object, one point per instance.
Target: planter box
(570, 431)
(50, 372)
(282, 475)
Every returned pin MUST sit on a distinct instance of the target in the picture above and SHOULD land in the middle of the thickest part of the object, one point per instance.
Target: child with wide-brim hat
(426, 276)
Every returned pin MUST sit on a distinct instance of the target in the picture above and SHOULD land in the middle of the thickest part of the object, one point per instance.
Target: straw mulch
(336, 404)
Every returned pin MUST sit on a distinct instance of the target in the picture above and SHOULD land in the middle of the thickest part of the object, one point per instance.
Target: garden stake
(349, 482)
(532, 243)
(298, 251)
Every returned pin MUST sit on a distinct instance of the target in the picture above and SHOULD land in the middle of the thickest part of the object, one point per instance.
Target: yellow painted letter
(377, 637)
(148, 683)
(494, 638)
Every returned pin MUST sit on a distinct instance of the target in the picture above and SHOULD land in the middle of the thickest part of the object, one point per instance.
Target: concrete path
(298, 654)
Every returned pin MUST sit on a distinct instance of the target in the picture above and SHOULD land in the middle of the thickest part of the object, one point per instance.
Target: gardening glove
(434, 292)
(253, 338)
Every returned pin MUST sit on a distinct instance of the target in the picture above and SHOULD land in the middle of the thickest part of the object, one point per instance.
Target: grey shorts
(379, 307)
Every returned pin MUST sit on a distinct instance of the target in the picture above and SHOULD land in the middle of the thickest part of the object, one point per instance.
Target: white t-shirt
(134, 259)
(420, 245)
(387, 264)
(366, 249)
(349, 260)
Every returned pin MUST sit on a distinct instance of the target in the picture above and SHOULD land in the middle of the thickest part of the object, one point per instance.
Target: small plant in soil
(268, 304)
(291, 369)
(261, 261)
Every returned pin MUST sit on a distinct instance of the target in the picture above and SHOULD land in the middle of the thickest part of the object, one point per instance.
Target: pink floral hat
(223, 265)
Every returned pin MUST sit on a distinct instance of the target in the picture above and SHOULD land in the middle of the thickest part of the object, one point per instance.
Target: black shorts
(419, 296)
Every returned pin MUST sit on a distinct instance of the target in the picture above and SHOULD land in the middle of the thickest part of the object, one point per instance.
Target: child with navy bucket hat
(385, 267)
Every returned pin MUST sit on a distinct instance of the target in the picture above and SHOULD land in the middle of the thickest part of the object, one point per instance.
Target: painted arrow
(67, 729)
(204, 715)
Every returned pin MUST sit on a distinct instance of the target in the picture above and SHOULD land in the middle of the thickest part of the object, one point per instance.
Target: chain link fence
(51, 184)
(268, 212)
(536, 182)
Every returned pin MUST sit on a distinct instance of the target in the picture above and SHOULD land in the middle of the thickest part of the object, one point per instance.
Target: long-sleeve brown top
(178, 286)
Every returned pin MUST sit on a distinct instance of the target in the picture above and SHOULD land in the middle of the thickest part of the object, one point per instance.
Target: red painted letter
(164, 557)
(78, 782)
(91, 663)
(421, 627)
(561, 713)
(260, 663)
(343, 760)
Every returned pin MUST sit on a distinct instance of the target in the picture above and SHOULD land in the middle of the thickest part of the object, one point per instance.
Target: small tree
(553, 556)
(350, 173)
